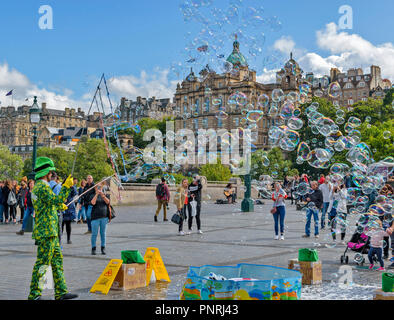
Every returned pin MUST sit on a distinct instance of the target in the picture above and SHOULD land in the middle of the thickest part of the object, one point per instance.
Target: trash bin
(30, 224)
(388, 282)
(131, 256)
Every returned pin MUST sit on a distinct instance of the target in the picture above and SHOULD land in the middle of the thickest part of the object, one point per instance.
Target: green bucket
(388, 282)
(132, 256)
(309, 255)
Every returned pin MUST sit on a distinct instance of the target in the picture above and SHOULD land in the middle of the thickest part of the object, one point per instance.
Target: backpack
(11, 201)
(160, 191)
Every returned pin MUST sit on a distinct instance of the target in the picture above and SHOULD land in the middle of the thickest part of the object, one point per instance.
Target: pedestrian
(82, 210)
(99, 217)
(314, 204)
(87, 198)
(294, 184)
(163, 197)
(1, 202)
(6, 192)
(56, 187)
(29, 208)
(46, 230)
(279, 211)
(194, 204)
(21, 199)
(386, 191)
(348, 180)
(326, 189)
(376, 246)
(13, 200)
(338, 212)
(181, 201)
(69, 214)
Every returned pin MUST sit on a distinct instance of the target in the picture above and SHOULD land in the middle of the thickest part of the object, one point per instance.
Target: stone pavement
(230, 237)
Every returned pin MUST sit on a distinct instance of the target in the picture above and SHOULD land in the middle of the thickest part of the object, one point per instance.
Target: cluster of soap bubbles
(217, 25)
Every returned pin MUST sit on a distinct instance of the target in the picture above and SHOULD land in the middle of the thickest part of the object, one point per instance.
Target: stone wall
(140, 194)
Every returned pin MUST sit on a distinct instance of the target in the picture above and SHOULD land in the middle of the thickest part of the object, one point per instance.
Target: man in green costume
(45, 232)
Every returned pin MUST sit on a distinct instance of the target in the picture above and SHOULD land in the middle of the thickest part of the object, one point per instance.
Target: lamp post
(35, 117)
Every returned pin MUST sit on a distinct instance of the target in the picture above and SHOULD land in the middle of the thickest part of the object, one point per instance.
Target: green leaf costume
(45, 232)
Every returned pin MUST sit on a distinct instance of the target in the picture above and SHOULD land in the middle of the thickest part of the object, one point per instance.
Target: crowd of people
(187, 200)
(331, 203)
(87, 203)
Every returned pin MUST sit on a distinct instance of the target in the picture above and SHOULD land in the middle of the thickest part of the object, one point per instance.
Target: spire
(291, 55)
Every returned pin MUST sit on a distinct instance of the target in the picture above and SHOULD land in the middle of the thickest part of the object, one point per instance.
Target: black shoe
(155, 218)
(103, 250)
(93, 251)
(165, 219)
(68, 296)
(305, 236)
(391, 266)
(386, 257)
(69, 242)
(20, 233)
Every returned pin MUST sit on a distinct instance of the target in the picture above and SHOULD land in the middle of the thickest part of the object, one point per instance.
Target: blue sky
(123, 38)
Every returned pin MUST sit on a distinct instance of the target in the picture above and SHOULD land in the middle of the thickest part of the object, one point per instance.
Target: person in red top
(163, 197)
(322, 179)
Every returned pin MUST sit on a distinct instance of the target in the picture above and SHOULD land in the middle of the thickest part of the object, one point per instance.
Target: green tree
(11, 165)
(389, 98)
(276, 166)
(215, 172)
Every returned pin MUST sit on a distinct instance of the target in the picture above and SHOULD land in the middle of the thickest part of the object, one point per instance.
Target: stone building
(16, 129)
(132, 111)
(199, 103)
(357, 86)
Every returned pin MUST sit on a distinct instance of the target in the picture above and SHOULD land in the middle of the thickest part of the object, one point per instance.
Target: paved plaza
(230, 237)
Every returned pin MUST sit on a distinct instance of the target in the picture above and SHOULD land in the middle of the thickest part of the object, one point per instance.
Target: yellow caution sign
(155, 263)
(104, 282)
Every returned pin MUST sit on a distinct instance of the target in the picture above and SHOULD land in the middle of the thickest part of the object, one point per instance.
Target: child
(376, 246)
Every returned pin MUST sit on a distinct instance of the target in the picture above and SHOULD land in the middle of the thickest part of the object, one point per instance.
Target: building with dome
(199, 101)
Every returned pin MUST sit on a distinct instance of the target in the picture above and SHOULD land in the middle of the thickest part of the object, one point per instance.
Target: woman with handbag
(181, 202)
(279, 210)
(100, 217)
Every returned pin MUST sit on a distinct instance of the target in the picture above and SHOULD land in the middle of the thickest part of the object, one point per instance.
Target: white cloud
(146, 85)
(284, 44)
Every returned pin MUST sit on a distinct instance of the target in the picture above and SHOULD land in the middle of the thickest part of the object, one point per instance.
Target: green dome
(236, 57)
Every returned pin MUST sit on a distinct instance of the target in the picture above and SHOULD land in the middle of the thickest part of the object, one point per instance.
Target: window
(361, 84)
(350, 102)
(184, 124)
(195, 124)
(198, 106)
(206, 104)
(205, 123)
(345, 79)
(348, 86)
(366, 78)
(236, 122)
(220, 123)
(364, 99)
(358, 78)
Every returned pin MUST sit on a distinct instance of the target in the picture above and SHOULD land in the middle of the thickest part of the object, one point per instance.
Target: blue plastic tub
(251, 282)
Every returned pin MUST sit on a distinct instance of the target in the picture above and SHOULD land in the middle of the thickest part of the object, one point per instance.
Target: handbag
(111, 213)
(11, 201)
(193, 205)
(176, 218)
(273, 210)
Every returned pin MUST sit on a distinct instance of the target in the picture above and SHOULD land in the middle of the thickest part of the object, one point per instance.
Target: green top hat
(43, 167)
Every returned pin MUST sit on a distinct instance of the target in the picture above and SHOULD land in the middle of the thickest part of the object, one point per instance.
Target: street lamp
(35, 117)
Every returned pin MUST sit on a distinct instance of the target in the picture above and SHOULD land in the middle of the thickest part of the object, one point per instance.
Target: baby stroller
(359, 243)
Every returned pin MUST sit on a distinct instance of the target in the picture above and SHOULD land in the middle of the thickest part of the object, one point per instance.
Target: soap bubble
(387, 135)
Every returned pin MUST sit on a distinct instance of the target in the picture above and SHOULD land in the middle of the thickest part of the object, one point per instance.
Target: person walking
(46, 229)
(376, 246)
(181, 201)
(314, 204)
(87, 201)
(279, 210)
(326, 189)
(163, 197)
(69, 214)
(100, 215)
(21, 199)
(82, 210)
(195, 196)
(29, 208)
(338, 212)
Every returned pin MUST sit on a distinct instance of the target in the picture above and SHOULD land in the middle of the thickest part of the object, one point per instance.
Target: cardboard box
(380, 295)
(311, 271)
(130, 276)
